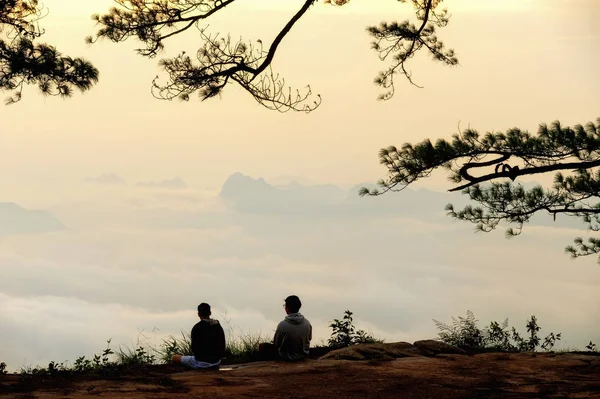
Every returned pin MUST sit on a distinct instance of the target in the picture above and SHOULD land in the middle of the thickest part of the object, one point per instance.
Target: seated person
(292, 336)
(208, 342)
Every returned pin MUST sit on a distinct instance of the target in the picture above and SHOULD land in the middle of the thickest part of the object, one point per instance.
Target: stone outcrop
(431, 347)
(394, 350)
(389, 351)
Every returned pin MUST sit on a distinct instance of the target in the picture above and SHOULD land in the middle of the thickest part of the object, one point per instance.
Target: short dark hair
(293, 303)
(204, 309)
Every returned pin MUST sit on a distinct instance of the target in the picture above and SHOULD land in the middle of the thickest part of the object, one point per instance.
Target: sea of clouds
(133, 261)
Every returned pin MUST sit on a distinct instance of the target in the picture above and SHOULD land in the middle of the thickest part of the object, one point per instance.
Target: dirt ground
(491, 375)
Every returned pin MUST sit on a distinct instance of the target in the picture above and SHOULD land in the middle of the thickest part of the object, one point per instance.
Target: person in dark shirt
(208, 342)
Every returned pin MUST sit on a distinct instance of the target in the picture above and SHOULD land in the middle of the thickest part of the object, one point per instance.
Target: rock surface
(387, 351)
(431, 347)
(490, 375)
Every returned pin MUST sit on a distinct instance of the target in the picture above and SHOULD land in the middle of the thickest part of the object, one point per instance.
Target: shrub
(345, 333)
(591, 347)
(465, 334)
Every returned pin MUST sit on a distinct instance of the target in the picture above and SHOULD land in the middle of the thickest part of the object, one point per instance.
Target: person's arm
(195, 340)
(222, 343)
(278, 337)
(309, 332)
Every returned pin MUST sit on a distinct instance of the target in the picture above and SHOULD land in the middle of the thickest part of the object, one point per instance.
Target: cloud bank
(139, 262)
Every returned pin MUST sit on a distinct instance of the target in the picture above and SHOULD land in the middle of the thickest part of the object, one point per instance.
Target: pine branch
(153, 22)
(23, 62)
(404, 40)
(554, 149)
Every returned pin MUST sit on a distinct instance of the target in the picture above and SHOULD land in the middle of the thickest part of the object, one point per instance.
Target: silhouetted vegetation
(464, 333)
(107, 363)
(23, 61)
(175, 346)
(82, 364)
(242, 347)
(555, 148)
(344, 333)
(220, 60)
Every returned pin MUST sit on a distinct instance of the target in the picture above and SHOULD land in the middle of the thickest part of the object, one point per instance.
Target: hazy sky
(521, 63)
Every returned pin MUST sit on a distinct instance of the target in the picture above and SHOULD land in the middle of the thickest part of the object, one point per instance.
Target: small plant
(533, 342)
(3, 368)
(345, 334)
(591, 347)
(520, 344)
(175, 346)
(550, 341)
(57, 368)
(98, 362)
(82, 365)
(343, 331)
(498, 336)
(139, 356)
(533, 329)
(463, 333)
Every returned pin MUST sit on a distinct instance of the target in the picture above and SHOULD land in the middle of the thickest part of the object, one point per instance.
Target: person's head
(292, 304)
(204, 310)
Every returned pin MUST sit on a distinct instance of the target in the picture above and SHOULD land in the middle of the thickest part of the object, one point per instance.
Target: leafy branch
(401, 41)
(220, 60)
(553, 149)
(23, 62)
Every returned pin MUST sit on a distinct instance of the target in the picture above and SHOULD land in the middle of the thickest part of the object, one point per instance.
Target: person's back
(208, 341)
(293, 336)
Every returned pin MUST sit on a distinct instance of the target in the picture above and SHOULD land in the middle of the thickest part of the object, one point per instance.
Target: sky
(137, 253)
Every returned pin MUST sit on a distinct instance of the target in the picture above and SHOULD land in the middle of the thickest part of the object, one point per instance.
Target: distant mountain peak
(14, 219)
(239, 184)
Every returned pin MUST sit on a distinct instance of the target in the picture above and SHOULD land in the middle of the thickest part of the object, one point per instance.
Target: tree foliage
(573, 153)
(221, 60)
(23, 61)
